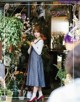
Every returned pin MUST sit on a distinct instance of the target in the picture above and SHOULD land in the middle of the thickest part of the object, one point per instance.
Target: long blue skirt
(35, 75)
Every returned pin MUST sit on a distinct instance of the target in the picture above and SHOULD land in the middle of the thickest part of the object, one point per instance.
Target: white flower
(7, 60)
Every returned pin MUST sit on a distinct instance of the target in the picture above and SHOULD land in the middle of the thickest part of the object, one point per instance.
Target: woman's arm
(38, 46)
(29, 50)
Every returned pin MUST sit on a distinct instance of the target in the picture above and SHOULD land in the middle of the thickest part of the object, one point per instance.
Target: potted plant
(10, 34)
(10, 31)
(5, 94)
(61, 74)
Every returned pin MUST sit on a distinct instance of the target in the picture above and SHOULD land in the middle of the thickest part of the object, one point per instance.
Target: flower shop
(60, 25)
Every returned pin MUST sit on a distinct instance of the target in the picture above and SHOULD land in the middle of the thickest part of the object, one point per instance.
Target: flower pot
(8, 99)
(22, 94)
(21, 97)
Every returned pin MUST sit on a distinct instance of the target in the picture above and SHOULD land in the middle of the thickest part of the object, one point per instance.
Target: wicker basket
(70, 46)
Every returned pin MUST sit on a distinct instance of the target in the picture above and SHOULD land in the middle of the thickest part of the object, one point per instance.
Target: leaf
(11, 28)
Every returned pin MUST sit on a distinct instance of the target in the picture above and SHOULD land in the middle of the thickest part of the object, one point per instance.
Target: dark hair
(72, 62)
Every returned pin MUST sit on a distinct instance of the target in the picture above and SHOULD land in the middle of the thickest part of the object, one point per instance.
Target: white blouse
(37, 47)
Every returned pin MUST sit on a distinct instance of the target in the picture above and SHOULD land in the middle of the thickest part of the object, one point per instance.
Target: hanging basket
(70, 46)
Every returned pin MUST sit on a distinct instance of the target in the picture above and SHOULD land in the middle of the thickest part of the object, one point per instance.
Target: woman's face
(37, 34)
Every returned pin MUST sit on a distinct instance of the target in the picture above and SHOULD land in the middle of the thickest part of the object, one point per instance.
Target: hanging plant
(10, 31)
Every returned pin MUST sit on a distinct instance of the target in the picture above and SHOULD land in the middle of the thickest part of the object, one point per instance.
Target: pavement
(25, 100)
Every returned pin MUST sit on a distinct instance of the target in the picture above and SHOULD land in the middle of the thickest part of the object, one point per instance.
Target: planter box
(5, 99)
(8, 99)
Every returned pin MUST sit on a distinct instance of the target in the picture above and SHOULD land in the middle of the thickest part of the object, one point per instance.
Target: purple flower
(68, 1)
(68, 39)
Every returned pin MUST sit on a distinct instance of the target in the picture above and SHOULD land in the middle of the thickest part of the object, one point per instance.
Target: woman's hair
(72, 62)
(37, 28)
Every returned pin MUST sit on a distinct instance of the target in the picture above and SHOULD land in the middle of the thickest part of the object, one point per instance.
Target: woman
(35, 77)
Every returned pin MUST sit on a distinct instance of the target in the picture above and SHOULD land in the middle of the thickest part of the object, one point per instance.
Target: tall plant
(10, 31)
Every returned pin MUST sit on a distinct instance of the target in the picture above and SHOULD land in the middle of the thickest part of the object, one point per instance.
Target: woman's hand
(32, 43)
(35, 40)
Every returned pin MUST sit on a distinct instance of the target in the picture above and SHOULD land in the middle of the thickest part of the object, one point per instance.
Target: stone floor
(25, 100)
(45, 92)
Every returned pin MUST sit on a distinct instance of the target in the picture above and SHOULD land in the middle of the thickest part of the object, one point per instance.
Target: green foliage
(10, 30)
(58, 42)
(30, 37)
(5, 91)
(61, 74)
(19, 79)
(9, 83)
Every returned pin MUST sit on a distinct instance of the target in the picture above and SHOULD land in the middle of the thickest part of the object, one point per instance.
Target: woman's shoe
(41, 99)
(33, 100)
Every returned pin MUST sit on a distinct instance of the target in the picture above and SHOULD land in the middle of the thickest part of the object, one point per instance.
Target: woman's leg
(35, 89)
(40, 97)
(40, 92)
